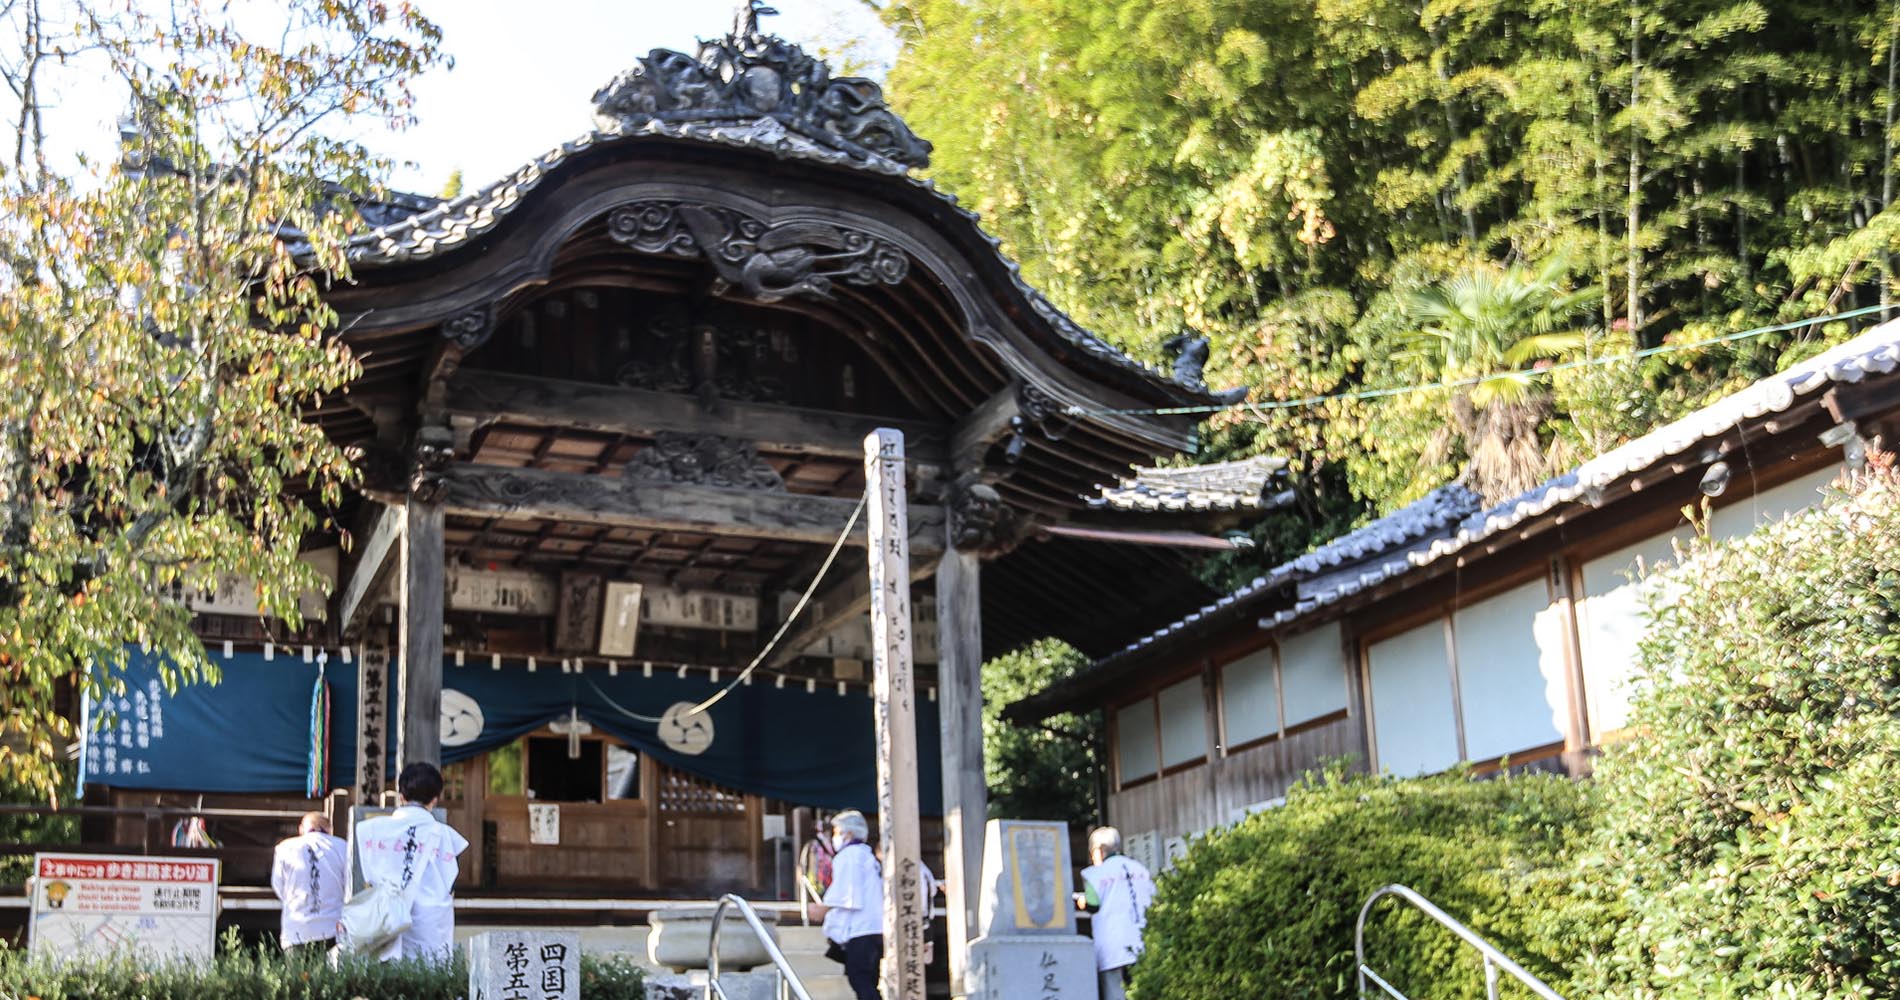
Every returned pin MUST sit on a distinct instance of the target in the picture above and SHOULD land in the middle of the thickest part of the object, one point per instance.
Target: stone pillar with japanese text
(1029, 949)
(894, 699)
(524, 965)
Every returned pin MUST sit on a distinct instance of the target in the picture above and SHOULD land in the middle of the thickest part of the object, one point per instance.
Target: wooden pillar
(1577, 718)
(894, 694)
(960, 714)
(419, 694)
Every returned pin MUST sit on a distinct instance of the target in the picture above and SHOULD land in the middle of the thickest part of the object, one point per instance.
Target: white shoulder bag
(380, 913)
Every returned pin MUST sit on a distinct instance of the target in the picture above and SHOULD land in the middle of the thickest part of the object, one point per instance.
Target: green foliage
(266, 973)
(1753, 828)
(162, 326)
(1267, 908)
(33, 829)
(1283, 175)
(1046, 771)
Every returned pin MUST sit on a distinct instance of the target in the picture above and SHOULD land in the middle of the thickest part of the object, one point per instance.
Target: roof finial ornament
(760, 81)
(745, 22)
(1190, 350)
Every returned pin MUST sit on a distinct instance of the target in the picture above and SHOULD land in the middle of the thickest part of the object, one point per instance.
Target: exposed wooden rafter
(486, 397)
(485, 491)
(843, 601)
(371, 568)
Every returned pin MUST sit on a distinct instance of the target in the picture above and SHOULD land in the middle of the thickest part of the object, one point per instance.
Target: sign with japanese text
(108, 904)
(372, 720)
(523, 965)
(544, 823)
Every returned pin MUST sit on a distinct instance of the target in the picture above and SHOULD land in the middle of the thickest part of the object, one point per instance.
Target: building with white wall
(1448, 633)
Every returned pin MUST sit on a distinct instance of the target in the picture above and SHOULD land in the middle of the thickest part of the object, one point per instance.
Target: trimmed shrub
(1267, 908)
(1752, 828)
(266, 973)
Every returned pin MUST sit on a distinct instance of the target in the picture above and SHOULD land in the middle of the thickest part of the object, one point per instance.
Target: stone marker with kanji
(524, 965)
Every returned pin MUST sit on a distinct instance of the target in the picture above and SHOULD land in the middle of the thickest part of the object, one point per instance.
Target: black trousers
(861, 957)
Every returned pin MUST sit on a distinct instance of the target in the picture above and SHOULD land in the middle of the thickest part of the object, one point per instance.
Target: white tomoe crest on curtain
(461, 718)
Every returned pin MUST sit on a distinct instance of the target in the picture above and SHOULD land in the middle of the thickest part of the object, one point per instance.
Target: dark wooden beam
(990, 422)
(484, 396)
(370, 568)
(845, 600)
(1128, 536)
(419, 691)
(494, 491)
(960, 734)
(1861, 401)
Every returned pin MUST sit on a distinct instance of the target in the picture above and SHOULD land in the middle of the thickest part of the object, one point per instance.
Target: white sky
(523, 77)
(524, 72)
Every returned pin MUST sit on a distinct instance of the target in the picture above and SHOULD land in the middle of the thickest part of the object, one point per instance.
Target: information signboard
(104, 904)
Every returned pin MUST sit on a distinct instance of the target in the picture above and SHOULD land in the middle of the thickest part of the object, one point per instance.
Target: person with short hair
(853, 908)
(411, 852)
(1118, 890)
(307, 876)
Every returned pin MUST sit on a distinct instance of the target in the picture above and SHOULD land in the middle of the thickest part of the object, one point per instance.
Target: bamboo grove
(1370, 193)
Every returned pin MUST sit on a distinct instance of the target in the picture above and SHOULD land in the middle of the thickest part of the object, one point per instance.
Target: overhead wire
(1363, 394)
(798, 608)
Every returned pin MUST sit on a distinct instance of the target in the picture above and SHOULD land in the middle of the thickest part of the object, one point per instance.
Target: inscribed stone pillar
(419, 692)
(1029, 948)
(894, 694)
(524, 965)
(960, 711)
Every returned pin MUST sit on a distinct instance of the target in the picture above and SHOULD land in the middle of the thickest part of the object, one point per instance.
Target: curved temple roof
(748, 91)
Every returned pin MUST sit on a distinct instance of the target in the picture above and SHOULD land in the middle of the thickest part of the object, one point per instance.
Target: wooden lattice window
(683, 793)
(455, 783)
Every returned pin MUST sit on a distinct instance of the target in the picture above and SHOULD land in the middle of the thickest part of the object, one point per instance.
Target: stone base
(759, 984)
(1015, 967)
(680, 935)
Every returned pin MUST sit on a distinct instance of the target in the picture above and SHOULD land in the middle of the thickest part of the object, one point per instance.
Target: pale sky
(524, 72)
(522, 80)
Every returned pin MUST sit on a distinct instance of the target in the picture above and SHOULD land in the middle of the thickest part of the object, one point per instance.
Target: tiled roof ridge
(1435, 511)
(1239, 484)
(450, 224)
(1457, 508)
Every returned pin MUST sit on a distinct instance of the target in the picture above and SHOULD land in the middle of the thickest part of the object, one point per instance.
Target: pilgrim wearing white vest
(1119, 888)
(307, 876)
(853, 909)
(412, 853)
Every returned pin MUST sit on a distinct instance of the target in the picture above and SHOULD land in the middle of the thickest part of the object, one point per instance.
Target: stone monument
(524, 965)
(1028, 948)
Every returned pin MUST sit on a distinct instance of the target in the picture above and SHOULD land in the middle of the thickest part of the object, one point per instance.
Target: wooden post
(894, 694)
(419, 691)
(960, 713)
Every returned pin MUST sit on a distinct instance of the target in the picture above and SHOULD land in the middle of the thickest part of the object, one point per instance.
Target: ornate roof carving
(768, 262)
(703, 460)
(437, 228)
(750, 75)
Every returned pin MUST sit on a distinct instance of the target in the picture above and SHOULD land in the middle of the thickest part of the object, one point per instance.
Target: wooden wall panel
(1213, 794)
(597, 838)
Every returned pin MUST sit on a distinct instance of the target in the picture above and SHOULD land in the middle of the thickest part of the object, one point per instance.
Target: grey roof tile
(1449, 520)
(450, 224)
(1243, 485)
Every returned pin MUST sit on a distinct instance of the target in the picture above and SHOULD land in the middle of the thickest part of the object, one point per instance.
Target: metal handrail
(787, 978)
(1493, 958)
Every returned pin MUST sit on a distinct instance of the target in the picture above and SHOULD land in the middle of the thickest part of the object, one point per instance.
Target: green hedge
(1267, 908)
(1751, 836)
(266, 973)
